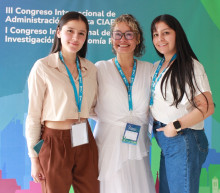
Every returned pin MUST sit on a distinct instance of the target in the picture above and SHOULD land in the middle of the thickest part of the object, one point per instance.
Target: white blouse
(113, 113)
(162, 109)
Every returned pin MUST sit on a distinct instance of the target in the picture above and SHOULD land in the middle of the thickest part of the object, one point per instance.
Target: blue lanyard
(129, 86)
(77, 98)
(156, 79)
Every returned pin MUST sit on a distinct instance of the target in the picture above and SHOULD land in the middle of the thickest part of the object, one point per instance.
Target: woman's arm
(36, 87)
(204, 109)
(36, 94)
(36, 170)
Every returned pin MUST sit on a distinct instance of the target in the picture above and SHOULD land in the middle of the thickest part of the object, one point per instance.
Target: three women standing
(62, 91)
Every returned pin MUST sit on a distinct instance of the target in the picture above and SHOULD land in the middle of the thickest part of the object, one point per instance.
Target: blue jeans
(181, 160)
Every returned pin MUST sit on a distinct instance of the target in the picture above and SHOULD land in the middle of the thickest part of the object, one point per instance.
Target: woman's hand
(169, 130)
(36, 170)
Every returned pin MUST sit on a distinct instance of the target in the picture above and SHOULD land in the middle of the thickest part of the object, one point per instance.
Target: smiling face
(123, 45)
(72, 36)
(164, 39)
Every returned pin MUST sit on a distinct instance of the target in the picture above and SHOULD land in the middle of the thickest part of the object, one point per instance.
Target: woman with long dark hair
(180, 101)
(62, 92)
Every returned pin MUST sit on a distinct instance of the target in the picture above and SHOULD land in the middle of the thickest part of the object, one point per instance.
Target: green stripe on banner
(213, 9)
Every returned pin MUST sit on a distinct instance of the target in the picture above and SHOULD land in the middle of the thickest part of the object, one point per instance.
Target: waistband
(159, 123)
(56, 132)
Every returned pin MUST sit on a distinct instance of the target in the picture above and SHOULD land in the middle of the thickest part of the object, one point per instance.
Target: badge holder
(131, 132)
(79, 134)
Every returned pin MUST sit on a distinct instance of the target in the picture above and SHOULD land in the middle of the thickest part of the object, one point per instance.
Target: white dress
(124, 168)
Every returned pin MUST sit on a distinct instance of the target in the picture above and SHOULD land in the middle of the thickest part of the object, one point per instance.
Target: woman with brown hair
(62, 92)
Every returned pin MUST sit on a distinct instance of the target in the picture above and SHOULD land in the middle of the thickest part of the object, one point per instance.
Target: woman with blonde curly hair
(122, 108)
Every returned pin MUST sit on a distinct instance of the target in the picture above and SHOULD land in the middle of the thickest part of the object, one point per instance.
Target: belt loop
(42, 131)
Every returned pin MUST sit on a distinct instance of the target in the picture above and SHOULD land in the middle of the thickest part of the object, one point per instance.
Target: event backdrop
(26, 34)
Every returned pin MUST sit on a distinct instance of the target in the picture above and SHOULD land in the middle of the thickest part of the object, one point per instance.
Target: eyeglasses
(117, 35)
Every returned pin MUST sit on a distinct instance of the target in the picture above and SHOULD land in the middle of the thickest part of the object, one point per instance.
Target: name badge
(131, 134)
(79, 134)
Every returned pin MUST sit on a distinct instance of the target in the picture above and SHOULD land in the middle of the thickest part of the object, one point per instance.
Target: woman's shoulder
(144, 67)
(155, 64)
(198, 68)
(44, 62)
(50, 59)
(103, 63)
(87, 64)
(154, 67)
(145, 64)
(41, 66)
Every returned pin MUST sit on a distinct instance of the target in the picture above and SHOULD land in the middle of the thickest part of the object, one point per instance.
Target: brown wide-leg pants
(64, 165)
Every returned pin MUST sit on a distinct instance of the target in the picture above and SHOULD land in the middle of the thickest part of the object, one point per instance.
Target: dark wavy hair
(135, 26)
(181, 72)
(72, 15)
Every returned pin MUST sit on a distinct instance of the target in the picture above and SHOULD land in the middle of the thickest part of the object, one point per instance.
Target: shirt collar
(55, 62)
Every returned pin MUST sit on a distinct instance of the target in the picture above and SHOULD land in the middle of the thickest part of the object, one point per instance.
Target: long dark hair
(135, 26)
(72, 15)
(181, 72)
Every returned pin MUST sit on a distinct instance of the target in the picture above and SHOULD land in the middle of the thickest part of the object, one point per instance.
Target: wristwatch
(177, 126)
